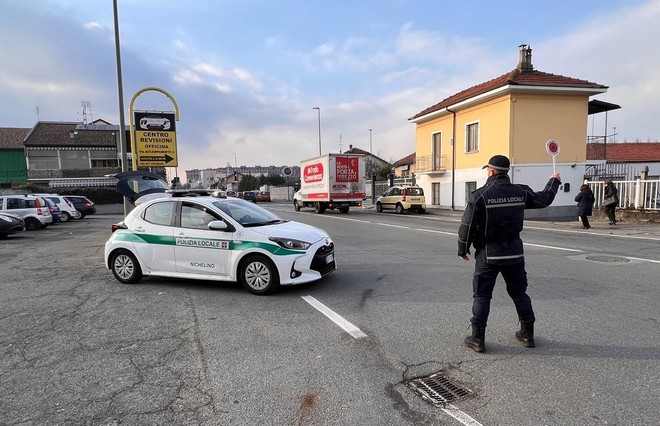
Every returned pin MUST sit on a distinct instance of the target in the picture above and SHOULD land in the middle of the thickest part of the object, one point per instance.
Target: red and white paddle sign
(552, 146)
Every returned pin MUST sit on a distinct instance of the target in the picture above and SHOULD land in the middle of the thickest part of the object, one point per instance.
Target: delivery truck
(331, 181)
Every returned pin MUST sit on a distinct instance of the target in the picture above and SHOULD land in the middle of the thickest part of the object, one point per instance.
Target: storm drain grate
(437, 389)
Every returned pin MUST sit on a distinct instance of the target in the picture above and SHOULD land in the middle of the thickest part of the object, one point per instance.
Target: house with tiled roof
(13, 171)
(373, 162)
(514, 114)
(71, 150)
(625, 160)
(405, 167)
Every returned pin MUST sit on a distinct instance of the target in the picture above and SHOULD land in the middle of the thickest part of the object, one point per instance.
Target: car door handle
(139, 229)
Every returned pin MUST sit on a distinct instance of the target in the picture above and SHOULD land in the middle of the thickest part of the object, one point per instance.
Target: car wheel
(422, 211)
(82, 215)
(32, 224)
(65, 217)
(296, 206)
(399, 209)
(258, 275)
(125, 267)
(379, 207)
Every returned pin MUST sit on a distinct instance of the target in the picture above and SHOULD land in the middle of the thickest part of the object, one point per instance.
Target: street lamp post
(319, 113)
(370, 151)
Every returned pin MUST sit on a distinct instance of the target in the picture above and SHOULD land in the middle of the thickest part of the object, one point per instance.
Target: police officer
(492, 223)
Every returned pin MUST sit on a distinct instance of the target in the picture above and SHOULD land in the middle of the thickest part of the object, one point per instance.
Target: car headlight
(290, 243)
(5, 218)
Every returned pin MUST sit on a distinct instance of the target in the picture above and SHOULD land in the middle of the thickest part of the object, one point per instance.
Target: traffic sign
(552, 146)
(287, 171)
(155, 135)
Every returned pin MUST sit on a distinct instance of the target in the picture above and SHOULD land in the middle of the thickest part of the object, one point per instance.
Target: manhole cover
(437, 389)
(608, 259)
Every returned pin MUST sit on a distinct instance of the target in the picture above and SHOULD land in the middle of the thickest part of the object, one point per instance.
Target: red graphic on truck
(313, 173)
(348, 169)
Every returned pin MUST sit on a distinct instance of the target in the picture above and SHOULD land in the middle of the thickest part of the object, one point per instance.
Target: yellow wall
(493, 118)
(538, 118)
(517, 126)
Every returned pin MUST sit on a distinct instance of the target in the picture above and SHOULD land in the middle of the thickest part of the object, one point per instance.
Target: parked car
(402, 199)
(83, 204)
(54, 210)
(32, 209)
(10, 224)
(208, 238)
(263, 196)
(67, 209)
(250, 196)
(231, 193)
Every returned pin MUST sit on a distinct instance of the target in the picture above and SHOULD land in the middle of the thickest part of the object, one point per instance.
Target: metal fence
(633, 194)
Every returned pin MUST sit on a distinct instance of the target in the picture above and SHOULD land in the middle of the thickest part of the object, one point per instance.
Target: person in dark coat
(585, 200)
(611, 192)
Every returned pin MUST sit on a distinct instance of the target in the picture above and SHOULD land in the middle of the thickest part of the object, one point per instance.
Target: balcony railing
(430, 163)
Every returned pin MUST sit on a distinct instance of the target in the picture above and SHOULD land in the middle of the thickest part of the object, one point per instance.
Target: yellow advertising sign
(155, 136)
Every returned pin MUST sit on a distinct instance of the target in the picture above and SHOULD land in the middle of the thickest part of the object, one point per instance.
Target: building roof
(353, 150)
(629, 152)
(12, 137)
(408, 159)
(523, 76)
(56, 134)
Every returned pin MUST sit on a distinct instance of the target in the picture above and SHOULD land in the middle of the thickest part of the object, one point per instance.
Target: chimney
(525, 58)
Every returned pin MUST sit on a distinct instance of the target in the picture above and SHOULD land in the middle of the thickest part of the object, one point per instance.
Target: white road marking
(335, 317)
(634, 237)
(552, 247)
(643, 260)
(460, 416)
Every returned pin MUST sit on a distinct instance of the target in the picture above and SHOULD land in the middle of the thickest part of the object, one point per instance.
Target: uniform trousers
(483, 282)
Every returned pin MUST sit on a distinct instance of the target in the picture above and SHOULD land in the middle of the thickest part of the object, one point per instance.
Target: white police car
(191, 234)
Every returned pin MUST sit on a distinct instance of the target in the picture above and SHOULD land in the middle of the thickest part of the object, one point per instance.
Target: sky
(248, 74)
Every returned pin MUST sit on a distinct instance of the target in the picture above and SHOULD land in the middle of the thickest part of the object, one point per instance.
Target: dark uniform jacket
(494, 216)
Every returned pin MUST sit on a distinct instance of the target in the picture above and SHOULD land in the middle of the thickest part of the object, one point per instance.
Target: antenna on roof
(36, 110)
(86, 105)
(340, 143)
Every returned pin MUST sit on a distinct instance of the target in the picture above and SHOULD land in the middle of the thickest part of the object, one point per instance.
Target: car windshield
(247, 214)
(414, 191)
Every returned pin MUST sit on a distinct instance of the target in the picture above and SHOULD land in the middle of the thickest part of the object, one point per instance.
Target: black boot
(476, 341)
(526, 334)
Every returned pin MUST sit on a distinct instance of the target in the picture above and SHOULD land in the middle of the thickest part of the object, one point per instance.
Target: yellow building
(515, 114)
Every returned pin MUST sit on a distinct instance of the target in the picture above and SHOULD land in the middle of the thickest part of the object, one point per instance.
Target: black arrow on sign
(160, 158)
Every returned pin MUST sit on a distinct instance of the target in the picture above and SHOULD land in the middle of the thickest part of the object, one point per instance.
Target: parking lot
(80, 348)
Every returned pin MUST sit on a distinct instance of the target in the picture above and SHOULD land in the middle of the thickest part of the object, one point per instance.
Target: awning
(596, 106)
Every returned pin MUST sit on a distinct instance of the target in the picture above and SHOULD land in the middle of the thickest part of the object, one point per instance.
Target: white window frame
(467, 137)
(436, 155)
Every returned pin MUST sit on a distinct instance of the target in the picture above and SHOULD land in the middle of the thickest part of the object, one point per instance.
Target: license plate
(330, 258)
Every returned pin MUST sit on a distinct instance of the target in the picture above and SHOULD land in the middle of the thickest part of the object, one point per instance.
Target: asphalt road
(77, 347)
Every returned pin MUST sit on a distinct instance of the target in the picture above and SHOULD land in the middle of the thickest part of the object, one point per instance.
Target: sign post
(552, 146)
(158, 122)
(287, 171)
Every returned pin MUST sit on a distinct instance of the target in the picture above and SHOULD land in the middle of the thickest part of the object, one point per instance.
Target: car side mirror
(219, 225)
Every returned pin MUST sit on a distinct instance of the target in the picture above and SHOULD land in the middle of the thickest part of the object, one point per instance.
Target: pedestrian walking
(611, 200)
(585, 200)
(492, 223)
